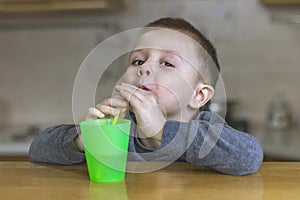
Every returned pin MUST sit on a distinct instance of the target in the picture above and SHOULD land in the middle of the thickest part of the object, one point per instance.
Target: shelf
(280, 2)
(17, 6)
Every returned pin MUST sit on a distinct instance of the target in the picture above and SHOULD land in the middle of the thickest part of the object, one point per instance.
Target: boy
(170, 78)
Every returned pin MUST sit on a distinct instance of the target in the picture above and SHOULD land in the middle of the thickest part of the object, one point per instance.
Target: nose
(144, 71)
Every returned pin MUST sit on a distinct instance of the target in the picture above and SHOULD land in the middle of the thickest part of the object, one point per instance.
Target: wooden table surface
(25, 180)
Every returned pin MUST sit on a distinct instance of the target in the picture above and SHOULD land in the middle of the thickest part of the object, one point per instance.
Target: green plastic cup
(111, 191)
(106, 148)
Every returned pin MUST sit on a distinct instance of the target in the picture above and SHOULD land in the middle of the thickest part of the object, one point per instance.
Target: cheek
(177, 87)
(129, 76)
(168, 100)
(174, 97)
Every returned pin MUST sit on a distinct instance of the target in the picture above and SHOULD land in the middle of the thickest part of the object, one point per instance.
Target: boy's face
(162, 63)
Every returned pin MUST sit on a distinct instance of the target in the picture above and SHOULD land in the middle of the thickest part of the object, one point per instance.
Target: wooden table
(25, 180)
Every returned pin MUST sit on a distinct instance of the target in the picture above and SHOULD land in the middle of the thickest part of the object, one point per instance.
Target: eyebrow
(166, 51)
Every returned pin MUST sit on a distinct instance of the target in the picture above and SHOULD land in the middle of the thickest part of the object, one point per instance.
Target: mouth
(143, 87)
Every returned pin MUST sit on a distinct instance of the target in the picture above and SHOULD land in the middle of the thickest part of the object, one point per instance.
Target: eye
(137, 62)
(167, 64)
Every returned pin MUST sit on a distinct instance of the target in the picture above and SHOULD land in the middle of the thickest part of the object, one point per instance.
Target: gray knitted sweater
(207, 141)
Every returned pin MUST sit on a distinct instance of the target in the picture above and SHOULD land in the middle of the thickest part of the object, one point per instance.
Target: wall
(258, 56)
(40, 56)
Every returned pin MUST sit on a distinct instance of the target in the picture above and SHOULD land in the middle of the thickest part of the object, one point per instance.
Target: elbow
(257, 161)
(256, 158)
(32, 156)
(247, 165)
(252, 160)
(35, 153)
(251, 165)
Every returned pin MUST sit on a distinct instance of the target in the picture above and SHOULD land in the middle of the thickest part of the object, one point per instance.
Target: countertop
(25, 180)
(15, 140)
(12, 144)
(277, 144)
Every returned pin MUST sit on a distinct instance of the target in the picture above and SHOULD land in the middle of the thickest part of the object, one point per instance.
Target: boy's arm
(55, 145)
(210, 141)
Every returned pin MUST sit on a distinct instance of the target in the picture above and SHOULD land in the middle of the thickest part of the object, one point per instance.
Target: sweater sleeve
(210, 141)
(55, 145)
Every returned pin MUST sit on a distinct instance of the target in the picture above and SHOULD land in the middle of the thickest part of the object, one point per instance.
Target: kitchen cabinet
(280, 2)
(18, 6)
(14, 151)
(15, 142)
(279, 145)
(14, 158)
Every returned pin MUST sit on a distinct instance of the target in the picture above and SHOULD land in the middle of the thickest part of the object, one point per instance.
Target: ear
(203, 93)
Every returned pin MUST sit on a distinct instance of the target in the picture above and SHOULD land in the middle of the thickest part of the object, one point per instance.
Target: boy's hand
(149, 115)
(108, 108)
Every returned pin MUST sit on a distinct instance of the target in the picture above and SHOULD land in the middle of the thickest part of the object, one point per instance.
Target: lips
(143, 87)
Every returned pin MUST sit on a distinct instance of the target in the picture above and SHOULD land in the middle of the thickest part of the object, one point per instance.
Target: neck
(185, 116)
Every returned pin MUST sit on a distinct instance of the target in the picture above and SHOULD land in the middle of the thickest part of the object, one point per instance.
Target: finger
(94, 113)
(113, 102)
(123, 112)
(118, 96)
(126, 85)
(136, 100)
(108, 110)
(120, 101)
(134, 91)
(129, 96)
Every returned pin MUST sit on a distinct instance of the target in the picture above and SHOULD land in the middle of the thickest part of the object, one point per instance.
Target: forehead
(170, 41)
(166, 52)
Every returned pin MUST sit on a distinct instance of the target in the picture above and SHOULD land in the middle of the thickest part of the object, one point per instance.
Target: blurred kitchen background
(44, 42)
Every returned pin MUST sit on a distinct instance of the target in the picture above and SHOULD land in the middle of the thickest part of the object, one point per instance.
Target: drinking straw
(116, 117)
